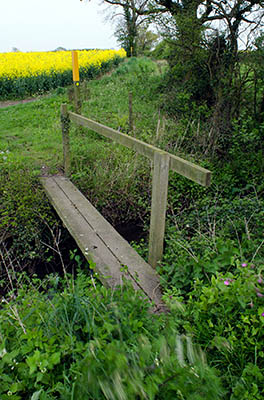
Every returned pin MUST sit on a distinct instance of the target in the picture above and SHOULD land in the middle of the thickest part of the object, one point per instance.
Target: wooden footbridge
(112, 257)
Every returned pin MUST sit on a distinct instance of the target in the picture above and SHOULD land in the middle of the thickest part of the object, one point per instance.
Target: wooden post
(130, 103)
(76, 82)
(65, 127)
(77, 99)
(158, 206)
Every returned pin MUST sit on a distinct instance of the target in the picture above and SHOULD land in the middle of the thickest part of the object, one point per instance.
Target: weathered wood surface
(65, 122)
(185, 168)
(158, 206)
(99, 241)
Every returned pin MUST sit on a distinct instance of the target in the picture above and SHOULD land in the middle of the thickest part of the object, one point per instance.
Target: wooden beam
(185, 168)
(158, 206)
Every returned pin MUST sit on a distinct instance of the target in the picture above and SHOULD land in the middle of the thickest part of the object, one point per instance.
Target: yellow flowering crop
(25, 74)
(21, 65)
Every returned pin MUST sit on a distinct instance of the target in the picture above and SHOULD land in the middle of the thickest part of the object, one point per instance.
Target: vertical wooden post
(130, 104)
(75, 67)
(77, 99)
(76, 82)
(65, 127)
(158, 206)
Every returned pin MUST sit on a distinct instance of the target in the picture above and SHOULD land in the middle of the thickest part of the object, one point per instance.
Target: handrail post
(65, 127)
(158, 206)
(130, 107)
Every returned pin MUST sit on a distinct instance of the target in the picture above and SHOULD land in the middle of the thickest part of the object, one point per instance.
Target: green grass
(31, 133)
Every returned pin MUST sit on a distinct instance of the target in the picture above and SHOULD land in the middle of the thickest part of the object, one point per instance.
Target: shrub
(72, 340)
(226, 317)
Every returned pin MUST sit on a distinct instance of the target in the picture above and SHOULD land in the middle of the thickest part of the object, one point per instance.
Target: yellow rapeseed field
(21, 65)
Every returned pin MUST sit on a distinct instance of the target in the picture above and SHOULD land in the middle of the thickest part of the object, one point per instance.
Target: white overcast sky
(41, 25)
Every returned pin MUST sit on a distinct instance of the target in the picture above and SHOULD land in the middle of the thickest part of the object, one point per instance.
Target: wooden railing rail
(163, 162)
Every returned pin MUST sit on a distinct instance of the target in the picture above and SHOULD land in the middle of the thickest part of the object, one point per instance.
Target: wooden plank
(125, 254)
(132, 143)
(185, 168)
(189, 170)
(105, 246)
(158, 206)
(83, 234)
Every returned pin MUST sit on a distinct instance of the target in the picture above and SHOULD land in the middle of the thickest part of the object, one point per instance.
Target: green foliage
(157, 369)
(161, 51)
(22, 211)
(87, 341)
(141, 77)
(119, 183)
(226, 317)
(146, 40)
(211, 237)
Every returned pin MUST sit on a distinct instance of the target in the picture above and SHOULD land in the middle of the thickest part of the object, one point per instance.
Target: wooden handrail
(163, 162)
(185, 168)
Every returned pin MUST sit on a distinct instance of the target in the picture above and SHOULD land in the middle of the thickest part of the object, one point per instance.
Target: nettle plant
(226, 317)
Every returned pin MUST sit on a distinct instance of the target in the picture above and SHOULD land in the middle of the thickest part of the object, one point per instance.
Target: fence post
(76, 82)
(130, 106)
(77, 99)
(65, 127)
(158, 206)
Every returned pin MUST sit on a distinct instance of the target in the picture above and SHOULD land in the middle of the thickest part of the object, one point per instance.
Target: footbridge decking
(113, 258)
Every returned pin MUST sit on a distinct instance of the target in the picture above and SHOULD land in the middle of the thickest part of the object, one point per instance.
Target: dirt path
(9, 103)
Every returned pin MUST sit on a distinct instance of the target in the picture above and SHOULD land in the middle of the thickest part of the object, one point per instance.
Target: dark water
(132, 231)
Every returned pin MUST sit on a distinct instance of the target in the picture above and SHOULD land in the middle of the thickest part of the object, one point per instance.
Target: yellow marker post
(75, 68)
(76, 81)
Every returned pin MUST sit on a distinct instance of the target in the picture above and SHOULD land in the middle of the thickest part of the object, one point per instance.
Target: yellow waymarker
(75, 68)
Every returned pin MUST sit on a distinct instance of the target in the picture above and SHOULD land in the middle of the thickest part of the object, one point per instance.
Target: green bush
(226, 317)
(211, 238)
(22, 202)
(76, 339)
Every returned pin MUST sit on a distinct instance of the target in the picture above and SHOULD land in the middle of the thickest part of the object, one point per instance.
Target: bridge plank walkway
(99, 241)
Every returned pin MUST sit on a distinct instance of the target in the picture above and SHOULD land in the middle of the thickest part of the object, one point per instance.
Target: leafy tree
(146, 39)
(256, 60)
(131, 16)
(204, 60)
(126, 31)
